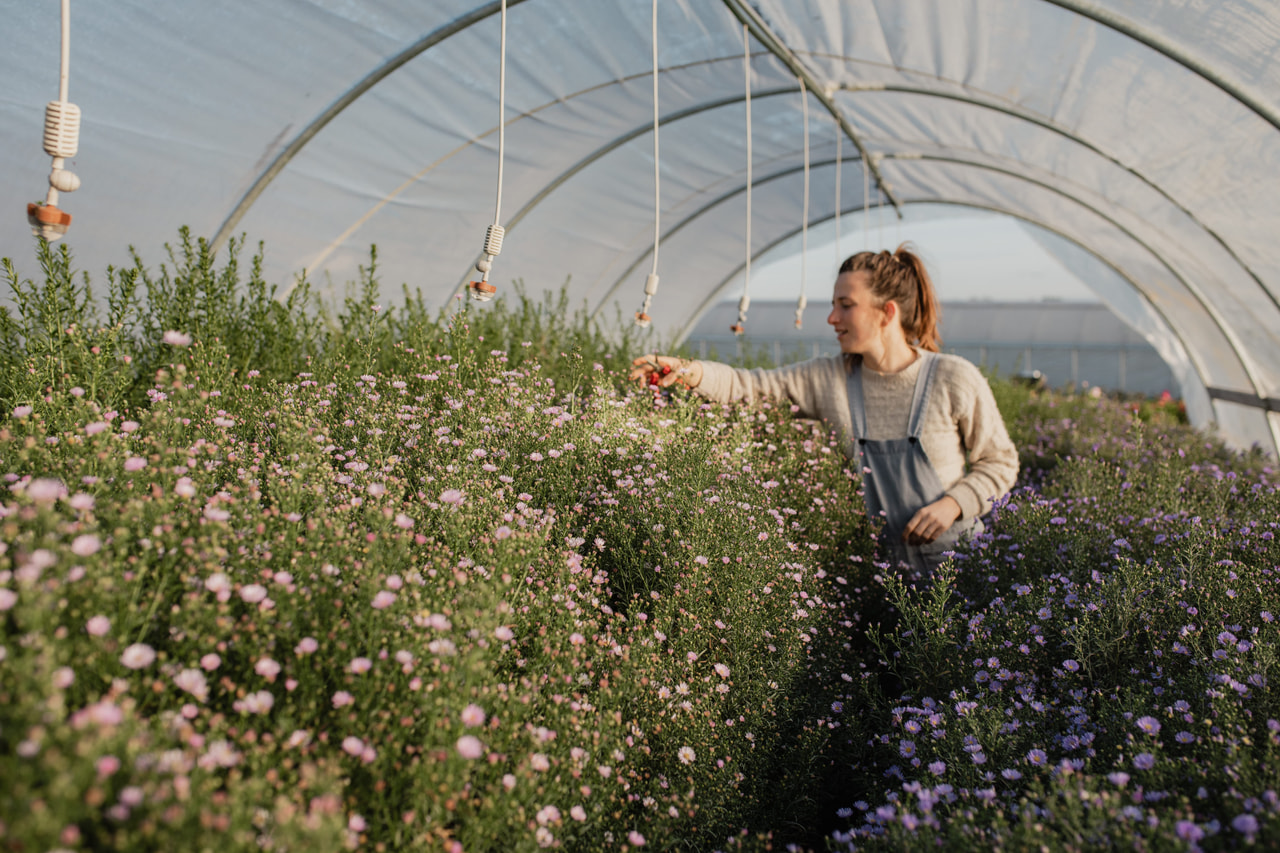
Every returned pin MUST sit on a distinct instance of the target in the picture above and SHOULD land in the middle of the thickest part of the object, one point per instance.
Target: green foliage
(288, 575)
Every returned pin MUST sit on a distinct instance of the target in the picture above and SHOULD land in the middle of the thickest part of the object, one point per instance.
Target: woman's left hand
(931, 521)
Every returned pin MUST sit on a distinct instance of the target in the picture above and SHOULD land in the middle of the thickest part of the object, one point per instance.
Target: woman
(909, 415)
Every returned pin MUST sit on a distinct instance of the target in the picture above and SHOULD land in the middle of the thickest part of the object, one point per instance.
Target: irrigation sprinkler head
(47, 221)
(643, 320)
(482, 291)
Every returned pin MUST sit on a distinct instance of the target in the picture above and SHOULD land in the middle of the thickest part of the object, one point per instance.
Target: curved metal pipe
(615, 144)
(1052, 127)
(1233, 342)
(1257, 400)
(347, 98)
(1166, 48)
(775, 45)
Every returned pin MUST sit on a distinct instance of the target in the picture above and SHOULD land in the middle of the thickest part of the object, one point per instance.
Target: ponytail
(901, 277)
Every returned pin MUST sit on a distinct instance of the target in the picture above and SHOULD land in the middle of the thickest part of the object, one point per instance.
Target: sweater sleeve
(992, 457)
(805, 384)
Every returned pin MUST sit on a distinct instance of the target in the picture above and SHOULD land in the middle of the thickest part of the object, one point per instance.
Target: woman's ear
(891, 312)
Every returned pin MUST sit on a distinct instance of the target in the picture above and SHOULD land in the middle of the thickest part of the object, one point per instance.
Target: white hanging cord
(651, 282)
(866, 206)
(839, 153)
(880, 218)
(745, 302)
(61, 142)
(482, 290)
(804, 222)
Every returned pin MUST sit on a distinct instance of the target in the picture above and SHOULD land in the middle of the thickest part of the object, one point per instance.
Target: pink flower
(361, 665)
(452, 496)
(267, 668)
(210, 662)
(193, 682)
(253, 593)
(63, 677)
(135, 463)
(95, 427)
(722, 670)
(635, 838)
(8, 598)
(255, 703)
(342, 698)
(403, 521)
(578, 813)
(138, 656)
(356, 823)
(503, 634)
(176, 338)
(306, 646)
(473, 715)
(21, 411)
(81, 501)
(352, 745)
(383, 600)
(85, 545)
(107, 765)
(577, 639)
(470, 747)
(45, 490)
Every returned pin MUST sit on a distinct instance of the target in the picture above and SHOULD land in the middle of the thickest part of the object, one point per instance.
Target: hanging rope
(651, 282)
(744, 303)
(482, 290)
(866, 206)
(804, 222)
(839, 153)
(61, 142)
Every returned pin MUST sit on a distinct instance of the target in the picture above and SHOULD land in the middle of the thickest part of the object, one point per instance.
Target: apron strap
(857, 405)
(924, 384)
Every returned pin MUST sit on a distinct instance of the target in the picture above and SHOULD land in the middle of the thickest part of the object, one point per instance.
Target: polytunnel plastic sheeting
(322, 126)
(1127, 302)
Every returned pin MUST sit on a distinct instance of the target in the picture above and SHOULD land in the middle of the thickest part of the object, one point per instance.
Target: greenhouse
(1136, 136)
(322, 528)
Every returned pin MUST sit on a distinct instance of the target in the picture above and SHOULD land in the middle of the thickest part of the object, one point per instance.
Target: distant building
(1070, 343)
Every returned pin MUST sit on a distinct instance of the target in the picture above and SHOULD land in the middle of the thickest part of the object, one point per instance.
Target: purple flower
(1071, 665)
(1188, 831)
(1150, 725)
(1037, 757)
(907, 748)
(1144, 761)
(1118, 778)
(1011, 774)
(1246, 823)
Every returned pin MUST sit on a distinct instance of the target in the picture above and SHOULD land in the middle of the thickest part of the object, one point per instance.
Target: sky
(972, 257)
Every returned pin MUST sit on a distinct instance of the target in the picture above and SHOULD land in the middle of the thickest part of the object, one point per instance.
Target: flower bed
(394, 582)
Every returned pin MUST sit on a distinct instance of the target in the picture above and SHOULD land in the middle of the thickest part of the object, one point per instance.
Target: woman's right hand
(665, 371)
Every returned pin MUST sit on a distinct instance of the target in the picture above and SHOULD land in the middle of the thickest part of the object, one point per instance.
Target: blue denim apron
(898, 479)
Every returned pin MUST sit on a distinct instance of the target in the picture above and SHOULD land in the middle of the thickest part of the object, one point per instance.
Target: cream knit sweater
(960, 416)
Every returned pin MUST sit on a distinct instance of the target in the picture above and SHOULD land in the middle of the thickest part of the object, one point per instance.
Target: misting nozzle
(482, 290)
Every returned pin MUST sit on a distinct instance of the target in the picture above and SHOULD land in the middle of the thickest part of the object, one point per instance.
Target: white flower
(686, 755)
(177, 339)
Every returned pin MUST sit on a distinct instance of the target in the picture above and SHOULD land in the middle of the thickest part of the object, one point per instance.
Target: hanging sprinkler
(482, 290)
(804, 227)
(744, 303)
(643, 320)
(61, 142)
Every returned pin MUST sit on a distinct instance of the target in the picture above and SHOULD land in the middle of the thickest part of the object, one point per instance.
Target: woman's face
(858, 320)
